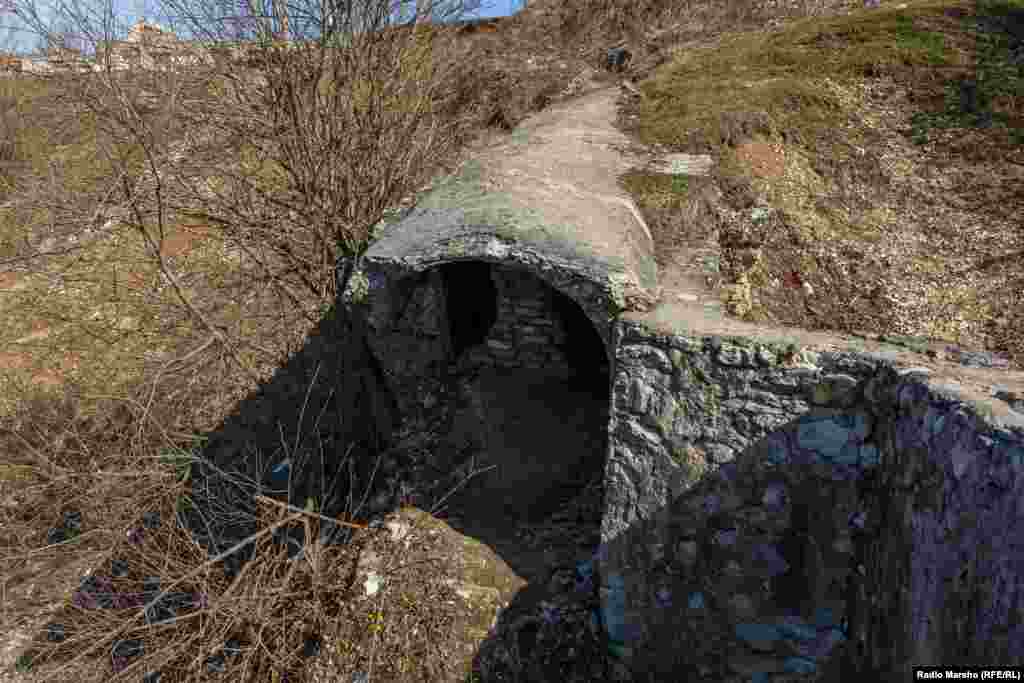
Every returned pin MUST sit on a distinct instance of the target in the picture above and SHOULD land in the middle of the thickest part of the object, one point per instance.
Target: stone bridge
(770, 492)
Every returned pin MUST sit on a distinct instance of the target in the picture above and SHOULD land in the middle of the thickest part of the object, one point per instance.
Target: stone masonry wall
(407, 318)
(780, 516)
(527, 333)
(409, 336)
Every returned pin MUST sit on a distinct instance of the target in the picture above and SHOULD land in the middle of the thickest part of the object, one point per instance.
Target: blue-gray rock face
(779, 514)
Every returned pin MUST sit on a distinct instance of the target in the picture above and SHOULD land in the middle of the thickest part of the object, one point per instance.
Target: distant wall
(529, 332)
(780, 513)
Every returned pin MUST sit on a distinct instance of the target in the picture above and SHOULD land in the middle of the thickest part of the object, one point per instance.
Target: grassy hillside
(888, 144)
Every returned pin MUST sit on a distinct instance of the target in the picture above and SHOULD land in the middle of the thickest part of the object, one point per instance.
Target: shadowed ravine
(546, 441)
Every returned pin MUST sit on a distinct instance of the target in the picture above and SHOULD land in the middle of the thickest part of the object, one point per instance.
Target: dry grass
(133, 513)
(895, 191)
(109, 387)
(895, 207)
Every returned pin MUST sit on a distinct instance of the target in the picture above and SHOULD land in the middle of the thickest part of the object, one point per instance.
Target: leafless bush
(292, 149)
(288, 149)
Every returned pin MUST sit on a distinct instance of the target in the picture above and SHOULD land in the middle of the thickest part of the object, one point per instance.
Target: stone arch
(536, 441)
(504, 316)
(545, 317)
(587, 357)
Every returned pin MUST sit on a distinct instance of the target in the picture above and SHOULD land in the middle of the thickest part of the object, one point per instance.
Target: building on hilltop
(147, 33)
(150, 46)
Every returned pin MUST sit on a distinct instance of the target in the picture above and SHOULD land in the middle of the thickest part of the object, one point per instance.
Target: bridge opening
(506, 318)
(583, 349)
(472, 302)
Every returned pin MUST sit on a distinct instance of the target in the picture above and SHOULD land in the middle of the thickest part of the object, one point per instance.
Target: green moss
(656, 190)
(14, 473)
(916, 344)
(822, 394)
(456, 248)
(693, 102)
(664, 424)
(359, 288)
(692, 378)
(777, 72)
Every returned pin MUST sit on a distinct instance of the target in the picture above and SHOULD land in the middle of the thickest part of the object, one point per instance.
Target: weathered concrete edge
(458, 207)
(900, 352)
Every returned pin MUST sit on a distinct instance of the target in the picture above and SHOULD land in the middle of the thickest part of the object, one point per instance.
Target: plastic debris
(216, 664)
(311, 647)
(55, 633)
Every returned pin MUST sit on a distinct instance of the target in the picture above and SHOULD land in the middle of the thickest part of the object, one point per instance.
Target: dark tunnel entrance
(512, 319)
(535, 444)
(472, 303)
(583, 348)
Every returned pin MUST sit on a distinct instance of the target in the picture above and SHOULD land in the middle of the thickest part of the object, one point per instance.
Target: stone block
(534, 339)
(501, 346)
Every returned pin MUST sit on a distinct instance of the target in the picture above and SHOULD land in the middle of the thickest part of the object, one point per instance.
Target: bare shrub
(291, 151)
